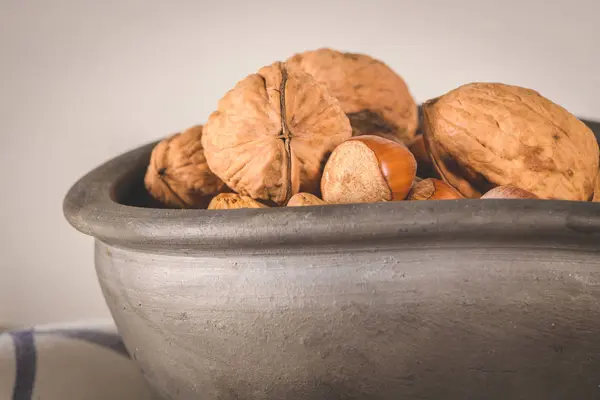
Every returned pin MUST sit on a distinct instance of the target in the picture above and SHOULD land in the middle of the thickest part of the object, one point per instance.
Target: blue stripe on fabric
(26, 359)
(107, 340)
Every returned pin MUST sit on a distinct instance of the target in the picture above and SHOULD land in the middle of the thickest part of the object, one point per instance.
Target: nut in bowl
(328, 280)
(304, 199)
(271, 133)
(230, 201)
(433, 189)
(482, 135)
(178, 175)
(508, 192)
(375, 98)
(367, 169)
(280, 132)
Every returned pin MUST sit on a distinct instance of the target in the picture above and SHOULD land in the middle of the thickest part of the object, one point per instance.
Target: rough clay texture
(272, 133)
(353, 175)
(376, 99)
(388, 320)
(304, 199)
(507, 135)
(226, 201)
(178, 175)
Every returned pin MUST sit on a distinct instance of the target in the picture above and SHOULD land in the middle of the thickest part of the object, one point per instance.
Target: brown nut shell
(368, 169)
(508, 192)
(596, 196)
(425, 166)
(433, 189)
(272, 133)
(304, 199)
(375, 98)
(229, 201)
(483, 135)
(178, 175)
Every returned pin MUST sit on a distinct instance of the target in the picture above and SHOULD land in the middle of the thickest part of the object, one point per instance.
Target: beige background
(81, 81)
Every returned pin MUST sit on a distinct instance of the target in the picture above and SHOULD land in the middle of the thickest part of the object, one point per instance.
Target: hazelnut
(596, 196)
(304, 199)
(483, 135)
(508, 192)
(178, 175)
(229, 201)
(433, 189)
(375, 98)
(272, 133)
(368, 169)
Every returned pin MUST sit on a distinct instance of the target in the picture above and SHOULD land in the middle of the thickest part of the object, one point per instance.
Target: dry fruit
(368, 169)
(424, 164)
(433, 189)
(228, 201)
(596, 197)
(178, 175)
(375, 98)
(508, 192)
(271, 134)
(483, 135)
(304, 199)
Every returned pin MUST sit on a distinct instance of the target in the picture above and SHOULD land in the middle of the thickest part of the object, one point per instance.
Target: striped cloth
(82, 361)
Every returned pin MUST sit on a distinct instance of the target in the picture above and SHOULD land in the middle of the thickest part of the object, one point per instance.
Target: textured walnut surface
(230, 201)
(304, 199)
(272, 132)
(484, 134)
(376, 99)
(178, 175)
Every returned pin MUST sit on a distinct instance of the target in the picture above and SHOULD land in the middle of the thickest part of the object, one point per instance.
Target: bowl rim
(89, 207)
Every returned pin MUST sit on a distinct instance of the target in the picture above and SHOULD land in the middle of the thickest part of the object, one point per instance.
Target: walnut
(271, 134)
(483, 135)
(375, 98)
(178, 175)
(230, 201)
(305, 199)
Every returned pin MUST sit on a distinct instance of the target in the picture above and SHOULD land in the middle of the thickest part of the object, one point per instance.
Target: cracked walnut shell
(271, 134)
(375, 98)
(178, 175)
(483, 135)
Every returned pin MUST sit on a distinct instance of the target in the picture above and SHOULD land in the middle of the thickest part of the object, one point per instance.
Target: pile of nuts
(327, 127)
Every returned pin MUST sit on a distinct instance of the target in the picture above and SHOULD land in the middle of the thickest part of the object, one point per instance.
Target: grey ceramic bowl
(469, 299)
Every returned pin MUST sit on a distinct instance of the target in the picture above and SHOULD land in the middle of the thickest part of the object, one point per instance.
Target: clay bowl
(467, 299)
